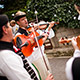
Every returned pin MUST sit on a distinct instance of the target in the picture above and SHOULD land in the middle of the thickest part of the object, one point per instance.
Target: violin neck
(70, 39)
(65, 40)
(39, 37)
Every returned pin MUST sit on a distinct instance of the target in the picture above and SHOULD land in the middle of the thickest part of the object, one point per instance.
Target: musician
(12, 65)
(20, 18)
(73, 64)
(47, 27)
(78, 10)
(14, 26)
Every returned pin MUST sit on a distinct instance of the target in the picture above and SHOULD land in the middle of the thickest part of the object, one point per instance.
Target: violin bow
(40, 50)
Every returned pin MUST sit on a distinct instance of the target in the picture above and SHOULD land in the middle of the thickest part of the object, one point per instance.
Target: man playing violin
(20, 18)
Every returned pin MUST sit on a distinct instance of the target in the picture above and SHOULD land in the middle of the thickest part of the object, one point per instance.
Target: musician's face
(7, 29)
(23, 22)
(10, 32)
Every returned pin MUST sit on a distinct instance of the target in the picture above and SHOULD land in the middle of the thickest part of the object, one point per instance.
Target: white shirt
(51, 33)
(15, 28)
(69, 65)
(36, 54)
(79, 17)
(11, 66)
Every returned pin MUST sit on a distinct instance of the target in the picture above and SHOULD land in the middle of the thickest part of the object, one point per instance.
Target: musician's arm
(51, 24)
(76, 8)
(78, 11)
(74, 44)
(46, 35)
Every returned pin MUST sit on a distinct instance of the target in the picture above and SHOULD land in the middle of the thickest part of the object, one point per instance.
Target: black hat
(19, 15)
(3, 19)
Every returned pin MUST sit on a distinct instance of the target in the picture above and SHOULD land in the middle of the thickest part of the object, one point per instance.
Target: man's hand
(45, 36)
(74, 43)
(50, 77)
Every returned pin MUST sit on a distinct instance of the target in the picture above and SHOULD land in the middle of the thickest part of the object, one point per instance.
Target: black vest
(22, 31)
(76, 69)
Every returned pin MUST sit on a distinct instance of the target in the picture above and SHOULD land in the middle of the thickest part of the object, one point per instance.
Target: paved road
(58, 67)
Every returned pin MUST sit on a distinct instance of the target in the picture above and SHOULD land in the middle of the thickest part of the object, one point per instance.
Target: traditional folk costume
(36, 58)
(12, 64)
(73, 67)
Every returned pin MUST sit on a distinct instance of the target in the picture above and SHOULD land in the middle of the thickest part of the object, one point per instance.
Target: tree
(57, 10)
(48, 10)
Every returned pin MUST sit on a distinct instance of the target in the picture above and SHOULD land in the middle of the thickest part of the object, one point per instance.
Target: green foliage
(9, 13)
(56, 10)
(48, 10)
(12, 6)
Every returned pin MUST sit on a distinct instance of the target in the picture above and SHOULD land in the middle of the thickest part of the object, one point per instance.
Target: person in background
(47, 27)
(73, 64)
(14, 26)
(78, 10)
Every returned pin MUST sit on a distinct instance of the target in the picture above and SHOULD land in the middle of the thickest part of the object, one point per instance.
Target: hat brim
(43, 24)
(17, 17)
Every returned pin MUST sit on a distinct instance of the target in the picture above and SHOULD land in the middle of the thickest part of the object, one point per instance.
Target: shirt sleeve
(76, 53)
(12, 66)
(51, 33)
(68, 69)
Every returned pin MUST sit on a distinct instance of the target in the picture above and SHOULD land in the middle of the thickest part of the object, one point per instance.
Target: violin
(27, 43)
(67, 40)
(41, 25)
(44, 25)
(29, 28)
